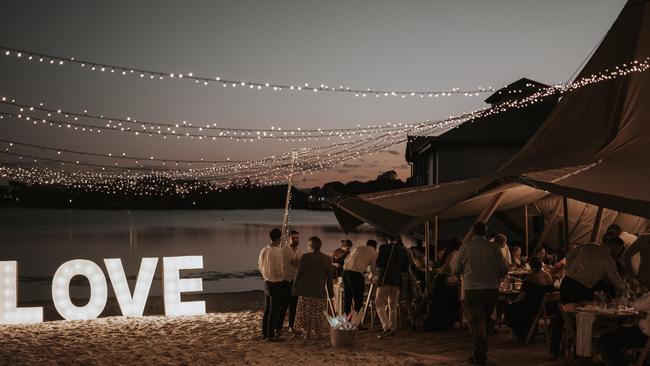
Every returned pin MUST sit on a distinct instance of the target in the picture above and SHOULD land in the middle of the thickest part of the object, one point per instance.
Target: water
(229, 241)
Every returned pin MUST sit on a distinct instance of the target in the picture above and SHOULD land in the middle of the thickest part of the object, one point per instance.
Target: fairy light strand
(57, 60)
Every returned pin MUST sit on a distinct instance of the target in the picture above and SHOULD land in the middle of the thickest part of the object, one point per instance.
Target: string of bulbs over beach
(115, 171)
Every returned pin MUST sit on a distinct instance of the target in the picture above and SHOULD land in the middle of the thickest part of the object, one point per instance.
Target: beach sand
(230, 335)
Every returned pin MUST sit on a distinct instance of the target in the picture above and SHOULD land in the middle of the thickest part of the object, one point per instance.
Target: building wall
(458, 163)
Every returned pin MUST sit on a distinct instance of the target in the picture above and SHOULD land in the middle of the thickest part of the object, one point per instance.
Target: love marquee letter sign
(131, 304)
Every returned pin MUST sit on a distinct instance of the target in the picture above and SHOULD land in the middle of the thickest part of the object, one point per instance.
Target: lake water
(229, 241)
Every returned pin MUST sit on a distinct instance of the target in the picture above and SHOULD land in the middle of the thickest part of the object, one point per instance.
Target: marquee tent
(593, 148)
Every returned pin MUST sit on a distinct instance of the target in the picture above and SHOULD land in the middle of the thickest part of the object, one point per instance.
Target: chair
(543, 315)
(569, 336)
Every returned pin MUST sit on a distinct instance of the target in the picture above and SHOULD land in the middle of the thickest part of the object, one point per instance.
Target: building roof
(512, 128)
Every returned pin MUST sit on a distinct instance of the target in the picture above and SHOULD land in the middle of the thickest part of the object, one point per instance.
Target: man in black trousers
(270, 265)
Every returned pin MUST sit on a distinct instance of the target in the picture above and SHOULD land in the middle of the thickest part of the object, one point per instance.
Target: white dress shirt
(360, 258)
(270, 263)
(289, 268)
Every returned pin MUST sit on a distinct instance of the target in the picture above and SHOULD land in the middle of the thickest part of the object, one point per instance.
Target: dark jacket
(314, 271)
(390, 273)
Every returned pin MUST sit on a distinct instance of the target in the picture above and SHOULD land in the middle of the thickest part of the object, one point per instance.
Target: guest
(502, 243)
(586, 266)
(482, 266)
(339, 254)
(290, 257)
(516, 262)
(540, 252)
(392, 262)
(354, 284)
(313, 285)
(520, 314)
(615, 230)
(444, 308)
(270, 265)
(627, 337)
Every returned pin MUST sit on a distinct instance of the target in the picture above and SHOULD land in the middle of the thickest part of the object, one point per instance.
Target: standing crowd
(463, 279)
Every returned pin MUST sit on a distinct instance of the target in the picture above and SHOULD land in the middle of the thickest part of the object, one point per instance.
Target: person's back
(391, 267)
(360, 259)
(481, 264)
(591, 263)
(314, 270)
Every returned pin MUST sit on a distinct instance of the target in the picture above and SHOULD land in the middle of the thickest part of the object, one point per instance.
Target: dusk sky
(421, 45)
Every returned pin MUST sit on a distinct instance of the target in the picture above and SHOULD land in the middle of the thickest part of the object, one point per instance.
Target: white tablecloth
(584, 334)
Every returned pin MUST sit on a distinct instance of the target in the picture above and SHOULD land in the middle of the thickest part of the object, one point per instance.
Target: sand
(229, 335)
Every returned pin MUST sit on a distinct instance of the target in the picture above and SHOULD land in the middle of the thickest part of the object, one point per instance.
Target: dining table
(589, 315)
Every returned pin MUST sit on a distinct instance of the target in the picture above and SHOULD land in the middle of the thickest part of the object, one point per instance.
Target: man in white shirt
(270, 265)
(627, 337)
(355, 265)
(291, 254)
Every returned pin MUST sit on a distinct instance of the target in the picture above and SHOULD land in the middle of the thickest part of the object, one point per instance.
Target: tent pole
(285, 219)
(526, 229)
(565, 221)
(427, 242)
(548, 225)
(435, 236)
(487, 213)
(598, 221)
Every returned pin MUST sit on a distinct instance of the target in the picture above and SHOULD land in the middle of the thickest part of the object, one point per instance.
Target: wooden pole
(526, 229)
(487, 213)
(436, 236)
(549, 222)
(565, 222)
(598, 221)
(285, 219)
(427, 242)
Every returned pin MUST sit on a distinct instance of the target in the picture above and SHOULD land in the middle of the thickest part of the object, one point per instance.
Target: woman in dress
(517, 262)
(521, 312)
(314, 275)
(444, 309)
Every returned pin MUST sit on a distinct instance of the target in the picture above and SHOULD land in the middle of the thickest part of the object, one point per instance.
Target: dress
(310, 315)
(444, 309)
(520, 314)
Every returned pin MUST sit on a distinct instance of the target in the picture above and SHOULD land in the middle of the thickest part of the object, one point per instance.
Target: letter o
(61, 290)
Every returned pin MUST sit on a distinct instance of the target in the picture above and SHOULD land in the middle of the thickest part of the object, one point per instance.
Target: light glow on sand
(131, 305)
(173, 286)
(10, 313)
(61, 290)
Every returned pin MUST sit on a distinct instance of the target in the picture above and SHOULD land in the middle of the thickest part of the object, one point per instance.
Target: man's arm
(612, 274)
(633, 249)
(373, 263)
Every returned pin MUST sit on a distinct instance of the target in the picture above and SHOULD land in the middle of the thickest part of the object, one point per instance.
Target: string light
(72, 120)
(274, 169)
(27, 56)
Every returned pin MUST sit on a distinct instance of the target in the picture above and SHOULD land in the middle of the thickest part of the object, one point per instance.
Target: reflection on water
(229, 241)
